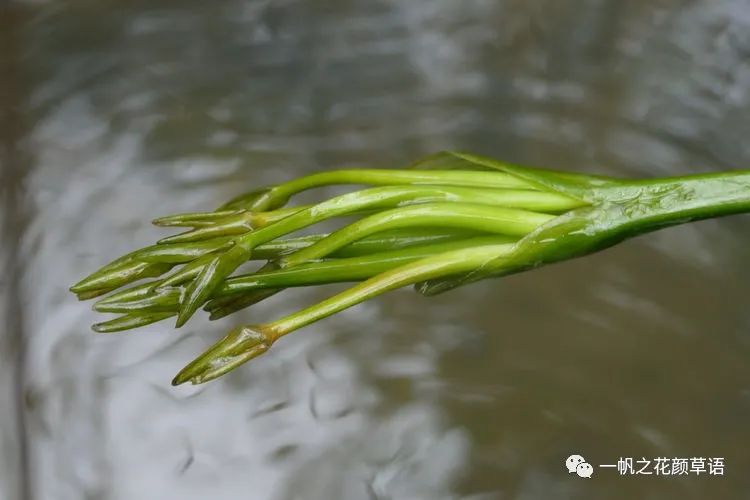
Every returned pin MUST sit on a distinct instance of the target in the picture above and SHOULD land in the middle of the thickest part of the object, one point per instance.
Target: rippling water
(115, 112)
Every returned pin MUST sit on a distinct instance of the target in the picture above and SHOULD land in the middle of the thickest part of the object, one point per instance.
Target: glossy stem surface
(245, 343)
(277, 196)
(347, 269)
(457, 261)
(380, 242)
(388, 196)
(498, 220)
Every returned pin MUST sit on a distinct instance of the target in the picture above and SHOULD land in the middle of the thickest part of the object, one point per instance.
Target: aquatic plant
(446, 221)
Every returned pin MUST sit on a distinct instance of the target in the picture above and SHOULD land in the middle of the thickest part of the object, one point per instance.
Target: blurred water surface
(116, 112)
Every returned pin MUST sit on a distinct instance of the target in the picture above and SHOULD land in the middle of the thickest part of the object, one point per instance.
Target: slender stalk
(380, 242)
(380, 198)
(270, 198)
(349, 269)
(454, 262)
(313, 273)
(178, 249)
(387, 197)
(244, 290)
(206, 273)
(499, 220)
(248, 342)
(619, 210)
(656, 203)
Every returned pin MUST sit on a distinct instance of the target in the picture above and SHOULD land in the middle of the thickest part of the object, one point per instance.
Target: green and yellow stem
(145, 298)
(382, 242)
(207, 272)
(388, 197)
(278, 196)
(246, 343)
(450, 220)
(488, 219)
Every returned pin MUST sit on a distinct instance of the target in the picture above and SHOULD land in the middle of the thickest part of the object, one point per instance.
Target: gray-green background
(116, 112)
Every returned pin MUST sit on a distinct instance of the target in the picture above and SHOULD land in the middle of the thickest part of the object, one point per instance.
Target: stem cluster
(449, 220)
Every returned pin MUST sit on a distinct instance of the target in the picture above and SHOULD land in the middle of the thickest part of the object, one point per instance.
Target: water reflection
(136, 109)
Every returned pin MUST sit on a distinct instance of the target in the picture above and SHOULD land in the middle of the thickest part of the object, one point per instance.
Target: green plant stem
(236, 349)
(313, 273)
(348, 269)
(380, 242)
(371, 199)
(207, 274)
(489, 219)
(277, 196)
(381, 198)
(623, 209)
(388, 196)
(676, 200)
(246, 291)
(619, 210)
(448, 263)
(453, 219)
(181, 248)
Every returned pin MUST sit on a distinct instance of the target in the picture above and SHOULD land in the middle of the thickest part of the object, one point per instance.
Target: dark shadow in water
(14, 163)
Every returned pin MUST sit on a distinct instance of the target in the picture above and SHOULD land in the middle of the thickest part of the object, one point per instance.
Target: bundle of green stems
(448, 220)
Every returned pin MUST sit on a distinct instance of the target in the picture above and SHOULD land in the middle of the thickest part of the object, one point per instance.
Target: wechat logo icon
(576, 464)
